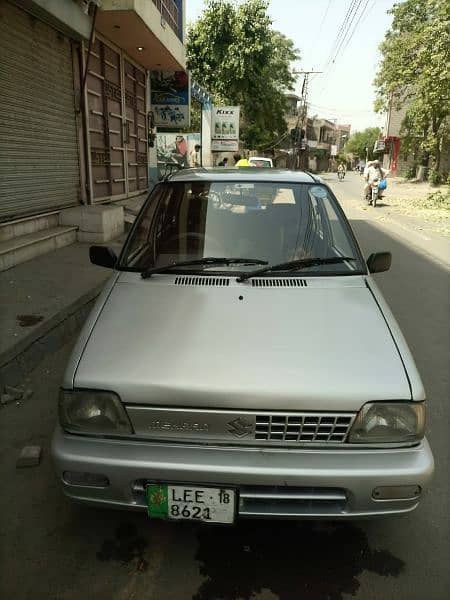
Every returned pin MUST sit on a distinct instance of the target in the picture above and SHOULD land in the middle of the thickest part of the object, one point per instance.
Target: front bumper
(289, 483)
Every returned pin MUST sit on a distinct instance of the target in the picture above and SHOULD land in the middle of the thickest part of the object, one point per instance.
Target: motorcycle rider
(341, 171)
(373, 172)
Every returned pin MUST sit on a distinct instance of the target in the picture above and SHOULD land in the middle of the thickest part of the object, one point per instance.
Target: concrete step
(26, 225)
(25, 247)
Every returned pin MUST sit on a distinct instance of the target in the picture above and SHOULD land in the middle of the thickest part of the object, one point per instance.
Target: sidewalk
(43, 302)
(411, 199)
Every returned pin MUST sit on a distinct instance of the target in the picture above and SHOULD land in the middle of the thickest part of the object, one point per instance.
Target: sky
(344, 91)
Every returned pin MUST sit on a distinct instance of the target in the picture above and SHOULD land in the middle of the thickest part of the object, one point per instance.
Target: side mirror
(102, 256)
(379, 262)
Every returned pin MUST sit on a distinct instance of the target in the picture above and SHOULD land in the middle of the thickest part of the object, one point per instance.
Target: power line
(339, 33)
(336, 45)
(320, 26)
(339, 110)
(351, 17)
(346, 32)
(341, 48)
(359, 21)
(276, 143)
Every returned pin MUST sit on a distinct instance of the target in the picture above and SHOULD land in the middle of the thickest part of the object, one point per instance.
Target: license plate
(181, 502)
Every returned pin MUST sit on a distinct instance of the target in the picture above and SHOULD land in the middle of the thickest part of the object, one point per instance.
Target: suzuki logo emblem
(240, 427)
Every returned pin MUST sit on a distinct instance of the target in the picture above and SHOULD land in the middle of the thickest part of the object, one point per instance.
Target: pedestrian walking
(195, 156)
(223, 162)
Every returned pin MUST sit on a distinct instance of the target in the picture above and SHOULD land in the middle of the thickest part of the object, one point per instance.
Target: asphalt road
(52, 549)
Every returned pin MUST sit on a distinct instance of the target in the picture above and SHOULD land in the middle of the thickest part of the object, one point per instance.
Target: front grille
(307, 427)
(276, 282)
(254, 428)
(203, 281)
(289, 502)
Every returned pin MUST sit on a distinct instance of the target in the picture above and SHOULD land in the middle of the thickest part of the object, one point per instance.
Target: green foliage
(359, 141)
(318, 152)
(233, 52)
(439, 199)
(411, 171)
(343, 157)
(434, 177)
(414, 74)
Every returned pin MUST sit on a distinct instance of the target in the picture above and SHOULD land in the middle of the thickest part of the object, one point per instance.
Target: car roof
(244, 174)
(259, 158)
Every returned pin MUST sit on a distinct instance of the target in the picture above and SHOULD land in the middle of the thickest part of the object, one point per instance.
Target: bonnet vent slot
(274, 282)
(204, 281)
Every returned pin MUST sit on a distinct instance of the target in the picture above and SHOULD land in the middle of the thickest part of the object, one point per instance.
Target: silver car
(241, 362)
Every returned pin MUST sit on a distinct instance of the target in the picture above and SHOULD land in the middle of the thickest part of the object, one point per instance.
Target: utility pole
(301, 120)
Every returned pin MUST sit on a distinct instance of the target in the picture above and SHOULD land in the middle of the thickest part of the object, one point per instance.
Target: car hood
(322, 345)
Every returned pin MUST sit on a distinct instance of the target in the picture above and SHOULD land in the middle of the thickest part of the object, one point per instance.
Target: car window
(340, 240)
(260, 162)
(137, 246)
(267, 221)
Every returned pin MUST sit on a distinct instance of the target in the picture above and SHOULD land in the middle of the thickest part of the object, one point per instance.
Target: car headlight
(388, 423)
(89, 411)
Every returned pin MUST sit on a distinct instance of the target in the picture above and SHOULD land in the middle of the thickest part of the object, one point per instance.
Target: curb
(50, 336)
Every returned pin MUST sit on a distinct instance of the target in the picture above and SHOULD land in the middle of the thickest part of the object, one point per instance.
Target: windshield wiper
(211, 260)
(295, 265)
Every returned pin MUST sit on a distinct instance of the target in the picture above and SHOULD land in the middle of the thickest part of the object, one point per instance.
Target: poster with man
(175, 149)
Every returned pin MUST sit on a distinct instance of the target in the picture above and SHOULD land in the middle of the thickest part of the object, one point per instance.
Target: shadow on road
(292, 560)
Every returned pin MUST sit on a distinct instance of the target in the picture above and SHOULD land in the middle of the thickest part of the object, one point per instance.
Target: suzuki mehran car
(241, 362)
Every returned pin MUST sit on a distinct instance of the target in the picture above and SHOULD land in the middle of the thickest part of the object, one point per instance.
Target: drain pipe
(86, 68)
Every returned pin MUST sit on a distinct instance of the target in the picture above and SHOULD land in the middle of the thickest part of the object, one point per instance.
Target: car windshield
(260, 162)
(263, 221)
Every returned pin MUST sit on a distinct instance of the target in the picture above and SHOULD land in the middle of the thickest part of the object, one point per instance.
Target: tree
(414, 74)
(233, 52)
(360, 140)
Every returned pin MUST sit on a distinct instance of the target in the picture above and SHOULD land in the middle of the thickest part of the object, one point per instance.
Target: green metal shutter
(39, 159)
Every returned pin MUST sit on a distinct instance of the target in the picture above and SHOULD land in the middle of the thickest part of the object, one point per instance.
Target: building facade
(391, 149)
(74, 105)
(320, 141)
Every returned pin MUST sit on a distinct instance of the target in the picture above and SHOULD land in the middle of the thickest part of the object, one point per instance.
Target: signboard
(170, 98)
(174, 148)
(224, 145)
(225, 129)
(333, 151)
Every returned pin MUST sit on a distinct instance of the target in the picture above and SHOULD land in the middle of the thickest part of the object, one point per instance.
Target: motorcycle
(373, 193)
(341, 175)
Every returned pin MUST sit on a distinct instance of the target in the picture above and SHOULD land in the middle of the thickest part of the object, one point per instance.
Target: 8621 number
(190, 512)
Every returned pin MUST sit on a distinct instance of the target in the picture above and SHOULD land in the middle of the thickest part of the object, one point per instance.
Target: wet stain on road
(29, 320)
(314, 561)
(126, 547)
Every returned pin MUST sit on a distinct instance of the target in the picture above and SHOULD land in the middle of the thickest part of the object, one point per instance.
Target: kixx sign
(225, 128)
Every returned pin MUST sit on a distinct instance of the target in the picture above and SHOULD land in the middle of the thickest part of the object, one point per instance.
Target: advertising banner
(225, 129)
(173, 148)
(170, 98)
